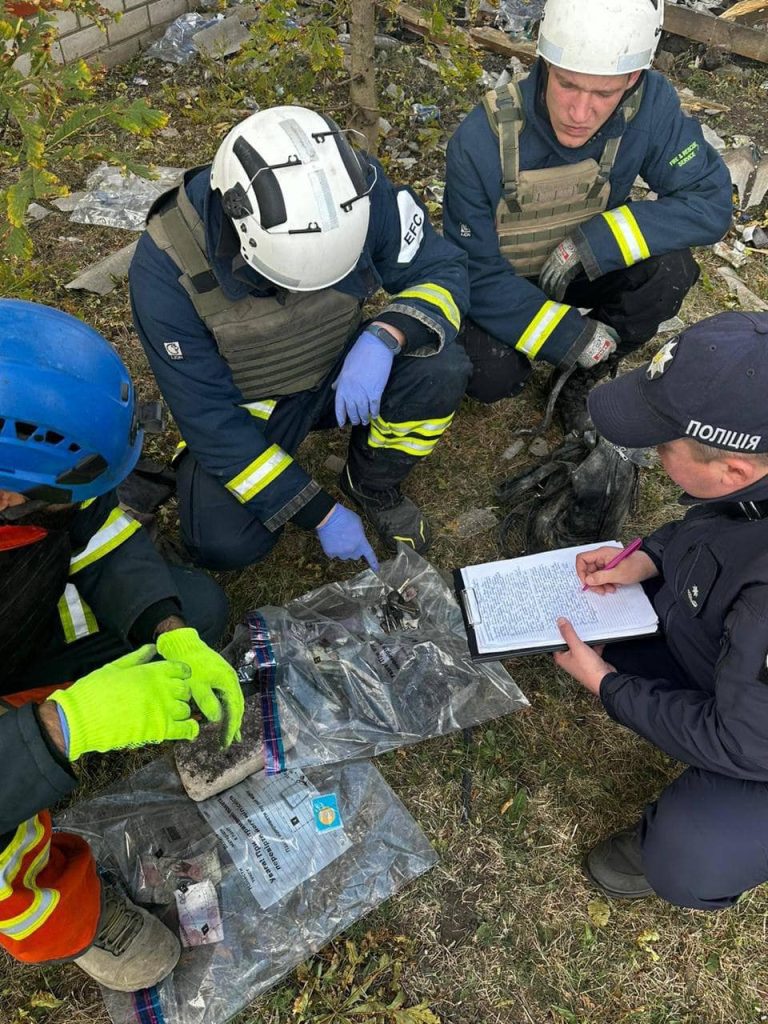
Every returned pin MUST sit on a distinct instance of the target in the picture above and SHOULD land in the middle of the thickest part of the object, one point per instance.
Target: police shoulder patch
(173, 348)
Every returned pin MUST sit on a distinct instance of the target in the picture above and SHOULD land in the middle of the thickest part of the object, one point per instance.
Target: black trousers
(705, 839)
(633, 301)
(220, 533)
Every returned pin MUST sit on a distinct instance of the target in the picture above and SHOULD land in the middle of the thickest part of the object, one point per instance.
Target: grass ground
(505, 929)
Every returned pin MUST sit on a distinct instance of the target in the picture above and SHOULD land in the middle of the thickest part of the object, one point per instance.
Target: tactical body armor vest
(539, 208)
(274, 346)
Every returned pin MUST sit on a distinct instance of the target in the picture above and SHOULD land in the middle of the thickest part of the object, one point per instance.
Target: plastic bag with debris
(519, 18)
(274, 869)
(176, 46)
(357, 668)
(119, 200)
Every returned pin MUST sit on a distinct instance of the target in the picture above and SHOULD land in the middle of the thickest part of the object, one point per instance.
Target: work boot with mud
(132, 949)
(394, 516)
(615, 865)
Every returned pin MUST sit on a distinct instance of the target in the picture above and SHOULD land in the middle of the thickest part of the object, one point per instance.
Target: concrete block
(83, 43)
(66, 23)
(56, 53)
(131, 24)
(162, 12)
(222, 39)
(120, 52)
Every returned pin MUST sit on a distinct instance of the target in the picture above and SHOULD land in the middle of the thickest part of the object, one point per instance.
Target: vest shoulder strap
(506, 115)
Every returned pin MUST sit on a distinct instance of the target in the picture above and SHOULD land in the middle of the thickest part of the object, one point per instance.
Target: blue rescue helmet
(68, 424)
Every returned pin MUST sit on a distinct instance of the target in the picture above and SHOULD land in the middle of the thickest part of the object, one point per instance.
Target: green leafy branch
(50, 114)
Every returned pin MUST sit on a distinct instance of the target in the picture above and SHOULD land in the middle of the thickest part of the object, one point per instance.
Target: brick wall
(142, 21)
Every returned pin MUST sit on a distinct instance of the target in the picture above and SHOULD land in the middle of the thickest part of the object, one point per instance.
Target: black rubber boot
(615, 866)
(394, 516)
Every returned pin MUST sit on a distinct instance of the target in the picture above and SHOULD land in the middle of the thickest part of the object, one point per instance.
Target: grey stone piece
(335, 464)
(745, 295)
(760, 184)
(102, 277)
(740, 163)
(37, 212)
(475, 521)
(226, 37)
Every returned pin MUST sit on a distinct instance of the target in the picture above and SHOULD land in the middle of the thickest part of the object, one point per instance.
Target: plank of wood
(499, 42)
(743, 9)
(704, 28)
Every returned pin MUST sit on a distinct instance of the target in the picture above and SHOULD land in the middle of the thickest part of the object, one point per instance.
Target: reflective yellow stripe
(87, 502)
(540, 328)
(43, 903)
(439, 297)
(261, 410)
(415, 437)
(430, 427)
(260, 473)
(27, 836)
(117, 529)
(77, 619)
(628, 235)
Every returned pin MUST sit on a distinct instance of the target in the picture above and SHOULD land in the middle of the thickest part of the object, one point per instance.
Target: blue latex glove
(362, 380)
(342, 536)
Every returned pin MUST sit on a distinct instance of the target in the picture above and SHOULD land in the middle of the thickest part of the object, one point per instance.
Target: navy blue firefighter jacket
(661, 144)
(424, 273)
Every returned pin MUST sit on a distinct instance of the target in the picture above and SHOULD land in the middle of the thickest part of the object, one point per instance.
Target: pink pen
(624, 553)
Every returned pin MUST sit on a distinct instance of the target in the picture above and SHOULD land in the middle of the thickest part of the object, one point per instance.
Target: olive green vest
(274, 346)
(539, 208)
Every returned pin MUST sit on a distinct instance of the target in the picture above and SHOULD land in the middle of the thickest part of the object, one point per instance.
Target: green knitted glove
(128, 703)
(213, 679)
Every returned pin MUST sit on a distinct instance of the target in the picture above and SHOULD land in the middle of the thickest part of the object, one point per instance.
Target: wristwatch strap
(386, 336)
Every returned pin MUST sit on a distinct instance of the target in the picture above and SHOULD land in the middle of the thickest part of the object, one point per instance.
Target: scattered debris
(425, 113)
(735, 254)
(475, 522)
(670, 326)
(513, 451)
(744, 8)
(756, 236)
(713, 138)
(740, 163)
(694, 104)
(169, 133)
(222, 38)
(67, 203)
(139, 80)
(176, 46)
(335, 464)
(538, 447)
(703, 28)
(37, 212)
(519, 18)
(759, 185)
(745, 295)
(102, 277)
(118, 200)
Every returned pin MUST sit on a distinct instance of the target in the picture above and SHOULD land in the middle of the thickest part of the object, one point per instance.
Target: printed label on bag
(271, 831)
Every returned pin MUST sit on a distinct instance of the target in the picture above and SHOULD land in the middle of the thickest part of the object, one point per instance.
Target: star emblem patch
(660, 362)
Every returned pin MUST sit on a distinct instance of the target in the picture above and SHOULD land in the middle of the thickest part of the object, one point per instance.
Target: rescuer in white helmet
(247, 291)
(538, 184)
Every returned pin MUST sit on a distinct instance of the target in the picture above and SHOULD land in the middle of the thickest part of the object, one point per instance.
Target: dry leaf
(599, 912)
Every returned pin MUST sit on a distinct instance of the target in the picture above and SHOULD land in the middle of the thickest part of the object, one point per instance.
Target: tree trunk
(362, 90)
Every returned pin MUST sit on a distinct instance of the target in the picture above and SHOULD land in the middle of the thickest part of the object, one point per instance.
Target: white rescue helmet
(600, 37)
(297, 195)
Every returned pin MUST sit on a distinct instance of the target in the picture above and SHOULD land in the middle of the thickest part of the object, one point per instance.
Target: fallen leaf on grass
(644, 941)
(44, 1000)
(599, 912)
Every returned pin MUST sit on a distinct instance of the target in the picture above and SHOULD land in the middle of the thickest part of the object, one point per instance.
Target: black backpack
(579, 494)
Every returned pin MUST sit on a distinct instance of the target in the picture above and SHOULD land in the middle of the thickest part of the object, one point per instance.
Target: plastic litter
(118, 200)
(424, 113)
(518, 18)
(349, 671)
(343, 842)
(176, 46)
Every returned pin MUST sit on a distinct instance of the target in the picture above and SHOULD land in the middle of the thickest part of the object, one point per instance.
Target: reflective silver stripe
(77, 624)
(118, 528)
(28, 834)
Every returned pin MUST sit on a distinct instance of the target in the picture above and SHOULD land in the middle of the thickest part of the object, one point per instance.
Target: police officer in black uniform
(698, 690)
